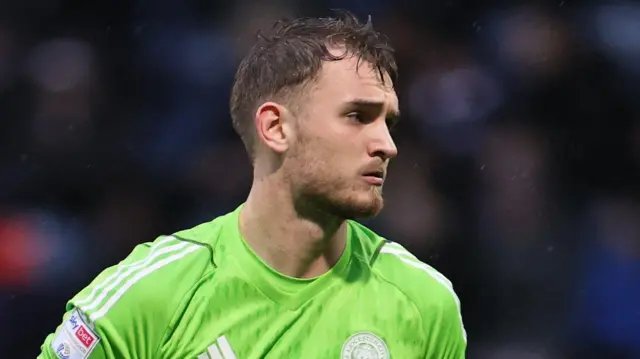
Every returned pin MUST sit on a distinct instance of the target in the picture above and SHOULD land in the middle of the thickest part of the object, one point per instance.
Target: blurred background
(517, 176)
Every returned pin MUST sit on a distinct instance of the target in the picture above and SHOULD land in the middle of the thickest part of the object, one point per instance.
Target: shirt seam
(208, 270)
(380, 276)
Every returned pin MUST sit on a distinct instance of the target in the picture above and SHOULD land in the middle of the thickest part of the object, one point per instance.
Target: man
(288, 274)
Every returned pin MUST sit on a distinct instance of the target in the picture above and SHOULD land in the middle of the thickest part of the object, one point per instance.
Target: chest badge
(365, 345)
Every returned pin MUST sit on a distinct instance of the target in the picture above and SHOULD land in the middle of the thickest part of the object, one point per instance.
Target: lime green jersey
(203, 293)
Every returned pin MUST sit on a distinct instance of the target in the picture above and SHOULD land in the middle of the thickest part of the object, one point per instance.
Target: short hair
(291, 56)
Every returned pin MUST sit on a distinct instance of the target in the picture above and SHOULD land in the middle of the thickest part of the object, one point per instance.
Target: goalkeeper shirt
(203, 293)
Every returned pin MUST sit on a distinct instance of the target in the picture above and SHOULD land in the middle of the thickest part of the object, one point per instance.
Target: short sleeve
(75, 339)
(447, 338)
(125, 311)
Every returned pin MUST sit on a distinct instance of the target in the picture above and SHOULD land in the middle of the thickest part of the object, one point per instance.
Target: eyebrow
(393, 113)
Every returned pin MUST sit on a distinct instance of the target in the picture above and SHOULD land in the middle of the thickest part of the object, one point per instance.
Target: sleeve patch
(76, 339)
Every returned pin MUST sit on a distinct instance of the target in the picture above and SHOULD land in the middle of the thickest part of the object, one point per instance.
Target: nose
(381, 143)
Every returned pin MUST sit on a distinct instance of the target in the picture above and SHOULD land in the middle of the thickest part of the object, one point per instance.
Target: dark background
(517, 176)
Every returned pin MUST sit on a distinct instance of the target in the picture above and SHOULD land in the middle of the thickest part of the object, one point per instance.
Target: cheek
(315, 165)
(329, 157)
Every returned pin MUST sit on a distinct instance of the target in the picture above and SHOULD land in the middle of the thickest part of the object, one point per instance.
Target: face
(342, 145)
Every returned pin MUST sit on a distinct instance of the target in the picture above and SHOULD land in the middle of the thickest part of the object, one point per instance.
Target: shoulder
(152, 270)
(128, 309)
(154, 278)
(396, 265)
(428, 289)
(400, 267)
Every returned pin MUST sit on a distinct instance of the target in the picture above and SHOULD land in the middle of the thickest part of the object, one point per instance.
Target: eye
(361, 117)
(357, 116)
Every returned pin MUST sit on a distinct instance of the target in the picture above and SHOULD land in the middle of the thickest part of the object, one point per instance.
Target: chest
(341, 322)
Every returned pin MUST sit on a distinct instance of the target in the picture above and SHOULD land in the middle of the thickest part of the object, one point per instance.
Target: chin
(346, 203)
(363, 206)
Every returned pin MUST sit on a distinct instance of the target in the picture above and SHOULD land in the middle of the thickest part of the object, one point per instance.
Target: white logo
(364, 346)
(221, 349)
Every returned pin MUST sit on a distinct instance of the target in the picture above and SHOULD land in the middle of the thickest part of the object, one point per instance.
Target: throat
(295, 246)
(322, 254)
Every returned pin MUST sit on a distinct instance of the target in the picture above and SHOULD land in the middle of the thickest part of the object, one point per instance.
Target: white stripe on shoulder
(409, 258)
(143, 273)
(129, 272)
(116, 276)
(405, 256)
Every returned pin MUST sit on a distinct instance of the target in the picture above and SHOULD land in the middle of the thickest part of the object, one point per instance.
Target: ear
(272, 127)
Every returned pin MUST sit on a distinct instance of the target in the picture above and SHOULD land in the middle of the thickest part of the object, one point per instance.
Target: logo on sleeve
(75, 339)
(365, 346)
(63, 351)
(85, 337)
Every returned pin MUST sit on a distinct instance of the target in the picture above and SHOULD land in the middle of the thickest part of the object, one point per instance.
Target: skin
(310, 166)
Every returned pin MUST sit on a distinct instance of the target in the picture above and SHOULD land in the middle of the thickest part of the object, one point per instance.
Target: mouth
(374, 177)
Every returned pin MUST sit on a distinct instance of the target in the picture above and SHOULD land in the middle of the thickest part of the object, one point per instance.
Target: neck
(297, 242)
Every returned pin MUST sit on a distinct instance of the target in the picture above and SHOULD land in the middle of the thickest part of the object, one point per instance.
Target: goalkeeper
(289, 273)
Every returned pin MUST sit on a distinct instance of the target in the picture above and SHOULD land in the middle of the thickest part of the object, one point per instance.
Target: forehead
(349, 78)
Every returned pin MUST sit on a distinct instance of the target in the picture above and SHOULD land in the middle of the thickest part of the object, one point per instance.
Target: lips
(377, 173)
(375, 177)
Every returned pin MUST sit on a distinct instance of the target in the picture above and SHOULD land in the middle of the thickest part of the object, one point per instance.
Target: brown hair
(292, 56)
